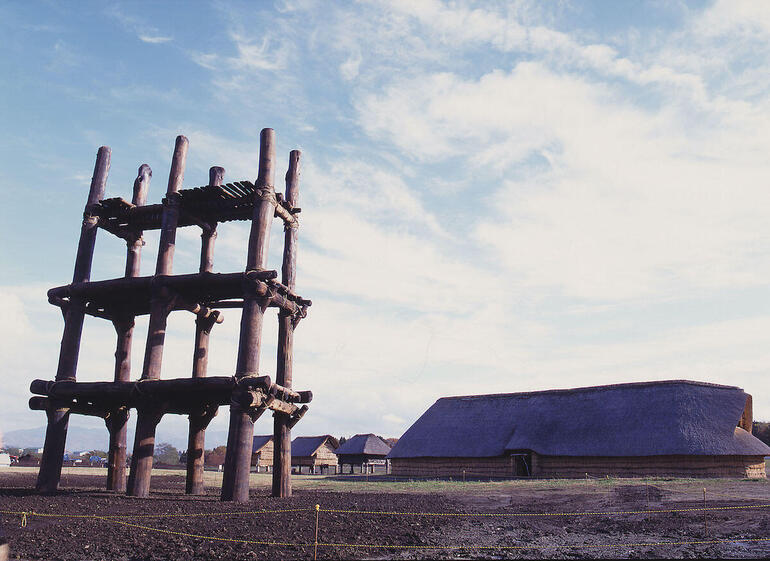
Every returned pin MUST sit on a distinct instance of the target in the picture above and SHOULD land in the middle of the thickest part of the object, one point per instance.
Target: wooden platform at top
(210, 204)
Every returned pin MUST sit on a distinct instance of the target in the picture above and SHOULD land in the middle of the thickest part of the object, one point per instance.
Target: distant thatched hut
(314, 454)
(679, 428)
(364, 451)
(262, 453)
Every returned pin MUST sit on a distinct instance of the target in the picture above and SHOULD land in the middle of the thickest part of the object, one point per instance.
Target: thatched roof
(364, 444)
(640, 419)
(309, 445)
(260, 442)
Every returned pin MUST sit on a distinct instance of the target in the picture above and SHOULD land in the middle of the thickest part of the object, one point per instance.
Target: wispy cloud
(144, 32)
(154, 39)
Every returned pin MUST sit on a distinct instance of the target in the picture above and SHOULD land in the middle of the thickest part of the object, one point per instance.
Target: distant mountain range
(80, 438)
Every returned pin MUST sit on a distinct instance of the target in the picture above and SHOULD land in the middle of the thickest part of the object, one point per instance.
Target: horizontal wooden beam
(180, 395)
(157, 389)
(284, 212)
(278, 405)
(289, 395)
(185, 284)
(194, 292)
(37, 403)
(187, 216)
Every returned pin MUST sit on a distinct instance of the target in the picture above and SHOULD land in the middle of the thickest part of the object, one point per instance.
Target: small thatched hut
(262, 453)
(314, 454)
(364, 451)
(679, 428)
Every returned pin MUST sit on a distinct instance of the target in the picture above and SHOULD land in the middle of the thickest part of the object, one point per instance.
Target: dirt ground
(502, 521)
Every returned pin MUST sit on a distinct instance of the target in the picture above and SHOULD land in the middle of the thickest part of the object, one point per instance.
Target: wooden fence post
(281, 432)
(235, 482)
(58, 417)
(149, 416)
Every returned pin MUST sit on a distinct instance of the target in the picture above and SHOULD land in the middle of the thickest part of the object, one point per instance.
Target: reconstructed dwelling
(314, 454)
(677, 427)
(363, 451)
(262, 453)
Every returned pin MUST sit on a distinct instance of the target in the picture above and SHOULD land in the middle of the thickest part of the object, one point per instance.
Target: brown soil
(571, 536)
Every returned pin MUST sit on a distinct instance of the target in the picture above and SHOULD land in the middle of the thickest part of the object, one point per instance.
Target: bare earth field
(612, 518)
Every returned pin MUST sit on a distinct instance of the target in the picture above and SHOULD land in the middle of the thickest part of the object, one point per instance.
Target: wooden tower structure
(204, 294)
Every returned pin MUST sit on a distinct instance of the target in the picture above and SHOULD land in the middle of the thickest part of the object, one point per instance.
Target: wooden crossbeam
(192, 292)
(190, 391)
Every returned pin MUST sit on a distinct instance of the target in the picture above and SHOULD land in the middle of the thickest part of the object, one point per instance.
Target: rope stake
(315, 544)
(24, 518)
(705, 520)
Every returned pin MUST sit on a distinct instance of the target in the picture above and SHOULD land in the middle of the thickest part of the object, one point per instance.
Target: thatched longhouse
(677, 428)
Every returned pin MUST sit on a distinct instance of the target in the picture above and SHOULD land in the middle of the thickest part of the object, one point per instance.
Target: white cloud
(349, 68)
(154, 39)
(744, 17)
(257, 55)
(253, 56)
(632, 202)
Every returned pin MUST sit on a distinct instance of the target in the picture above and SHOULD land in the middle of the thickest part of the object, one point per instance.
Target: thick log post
(196, 439)
(148, 417)
(235, 481)
(58, 418)
(282, 431)
(124, 326)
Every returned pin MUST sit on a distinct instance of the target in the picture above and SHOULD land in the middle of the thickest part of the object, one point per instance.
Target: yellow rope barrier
(24, 514)
(428, 547)
(534, 514)
(115, 519)
(162, 515)
(200, 536)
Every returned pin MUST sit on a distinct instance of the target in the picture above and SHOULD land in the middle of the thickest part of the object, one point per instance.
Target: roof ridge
(593, 388)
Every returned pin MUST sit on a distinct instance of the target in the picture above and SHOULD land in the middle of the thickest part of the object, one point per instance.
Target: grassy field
(261, 483)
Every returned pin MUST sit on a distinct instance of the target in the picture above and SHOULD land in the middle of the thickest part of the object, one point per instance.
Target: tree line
(761, 430)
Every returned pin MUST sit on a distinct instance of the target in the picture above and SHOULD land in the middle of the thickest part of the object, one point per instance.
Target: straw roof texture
(364, 444)
(260, 441)
(309, 445)
(638, 419)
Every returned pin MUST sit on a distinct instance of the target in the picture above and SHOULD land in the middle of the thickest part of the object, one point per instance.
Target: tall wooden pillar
(150, 414)
(199, 420)
(282, 432)
(58, 417)
(235, 481)
(124, 326)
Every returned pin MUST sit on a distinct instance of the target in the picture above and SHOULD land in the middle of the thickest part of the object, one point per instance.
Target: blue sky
(497, 197)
